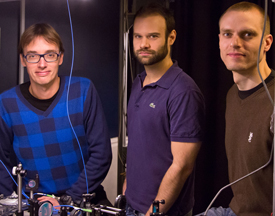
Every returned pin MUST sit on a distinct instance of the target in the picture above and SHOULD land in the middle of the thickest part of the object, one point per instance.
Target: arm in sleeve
(186, 121)
(184, 157)
(100, 155)
(187, 117)
(7, 158)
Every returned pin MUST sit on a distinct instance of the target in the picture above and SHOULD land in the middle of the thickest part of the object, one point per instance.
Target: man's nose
(235, 42)
(42, 62)
(145, 43)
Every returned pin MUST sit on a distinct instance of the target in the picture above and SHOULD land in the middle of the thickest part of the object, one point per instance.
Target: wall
(9, 25)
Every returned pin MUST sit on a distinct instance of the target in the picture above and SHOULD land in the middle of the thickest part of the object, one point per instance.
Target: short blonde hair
(247, 6)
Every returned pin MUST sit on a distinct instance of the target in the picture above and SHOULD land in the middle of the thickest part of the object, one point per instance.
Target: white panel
(110, 182)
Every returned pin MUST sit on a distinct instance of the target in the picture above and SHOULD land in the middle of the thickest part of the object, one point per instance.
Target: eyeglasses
(35, 58)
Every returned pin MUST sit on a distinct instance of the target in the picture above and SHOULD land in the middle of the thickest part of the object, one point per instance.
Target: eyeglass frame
(41, 55)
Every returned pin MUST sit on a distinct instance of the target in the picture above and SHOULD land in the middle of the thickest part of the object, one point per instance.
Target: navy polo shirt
(171, 109)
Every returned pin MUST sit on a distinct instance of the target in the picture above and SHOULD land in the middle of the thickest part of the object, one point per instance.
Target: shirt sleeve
(186, 112)
(100, 155)
(7, 157)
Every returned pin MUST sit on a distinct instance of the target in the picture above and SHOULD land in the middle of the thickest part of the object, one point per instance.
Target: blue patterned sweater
(44, 142)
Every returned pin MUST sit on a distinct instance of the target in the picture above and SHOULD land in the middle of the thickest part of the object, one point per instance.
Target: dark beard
(156, 57)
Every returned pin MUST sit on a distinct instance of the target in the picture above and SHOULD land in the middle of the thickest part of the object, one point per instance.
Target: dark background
(96, 35)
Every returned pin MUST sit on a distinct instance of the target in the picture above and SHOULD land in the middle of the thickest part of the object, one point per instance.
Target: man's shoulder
(232, 92)
(75, 79)
(10, 93)
(78, 82)
(9, 100)
(180, 75)
(233, 88)
(184, 82)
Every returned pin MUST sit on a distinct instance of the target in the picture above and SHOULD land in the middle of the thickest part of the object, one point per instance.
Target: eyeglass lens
(34, 58)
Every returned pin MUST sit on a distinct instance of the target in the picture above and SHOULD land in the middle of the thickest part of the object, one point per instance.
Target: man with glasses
(53, 133)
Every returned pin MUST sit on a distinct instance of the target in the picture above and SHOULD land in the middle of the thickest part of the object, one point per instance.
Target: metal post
(122, 91)
(22, 29)
(20, 174)
(19, 192)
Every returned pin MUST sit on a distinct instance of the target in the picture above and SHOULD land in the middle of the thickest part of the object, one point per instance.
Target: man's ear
(172, 37)
(268, 39)
(22, 60)
(61, 58)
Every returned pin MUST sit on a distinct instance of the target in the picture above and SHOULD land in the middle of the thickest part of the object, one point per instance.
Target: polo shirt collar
(167, 79)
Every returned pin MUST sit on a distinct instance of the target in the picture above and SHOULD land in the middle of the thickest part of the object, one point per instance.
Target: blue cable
(84, 167)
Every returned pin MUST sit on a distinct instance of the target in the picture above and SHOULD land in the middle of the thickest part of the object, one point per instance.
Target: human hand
(148, 213)
(124, 187)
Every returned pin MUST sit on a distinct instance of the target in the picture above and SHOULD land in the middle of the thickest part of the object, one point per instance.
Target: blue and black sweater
(44, 142)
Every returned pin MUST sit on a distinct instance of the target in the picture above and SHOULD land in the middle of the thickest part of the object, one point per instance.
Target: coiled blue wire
(84, 167)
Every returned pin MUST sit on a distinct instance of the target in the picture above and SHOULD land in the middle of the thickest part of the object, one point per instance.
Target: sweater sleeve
(100, 155)
(7, 185)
